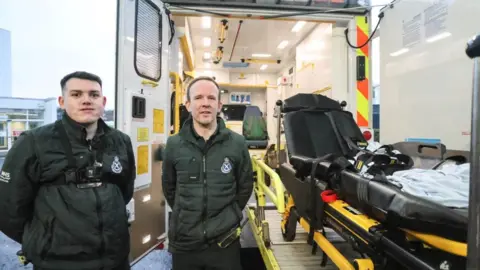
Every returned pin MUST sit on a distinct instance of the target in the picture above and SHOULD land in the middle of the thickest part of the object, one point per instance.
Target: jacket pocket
(48, 238)
(32, 233)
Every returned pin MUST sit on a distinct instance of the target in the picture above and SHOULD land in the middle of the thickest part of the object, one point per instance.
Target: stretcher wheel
(289, 230)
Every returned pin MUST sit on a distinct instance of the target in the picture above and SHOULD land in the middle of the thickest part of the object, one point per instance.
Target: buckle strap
(72, 163)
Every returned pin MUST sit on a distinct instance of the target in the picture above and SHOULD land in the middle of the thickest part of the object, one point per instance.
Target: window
(14, 114)
(233, 112)
(35, 114)
(148, 40)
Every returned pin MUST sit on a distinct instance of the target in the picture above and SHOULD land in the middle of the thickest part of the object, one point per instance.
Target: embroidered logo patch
(226, 166)
(116, 165)
(5, 177)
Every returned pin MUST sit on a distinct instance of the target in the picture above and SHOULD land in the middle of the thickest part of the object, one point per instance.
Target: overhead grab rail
(278, 198)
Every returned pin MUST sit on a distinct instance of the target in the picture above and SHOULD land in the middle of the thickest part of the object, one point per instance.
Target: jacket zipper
(204, 197)
(100, 222)
(99, 213)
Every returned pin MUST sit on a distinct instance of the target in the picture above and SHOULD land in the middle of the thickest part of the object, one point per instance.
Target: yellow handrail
(278, 198)
(178, 100)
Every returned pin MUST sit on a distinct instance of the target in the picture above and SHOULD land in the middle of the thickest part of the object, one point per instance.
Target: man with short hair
(64, 186)
(207, 180)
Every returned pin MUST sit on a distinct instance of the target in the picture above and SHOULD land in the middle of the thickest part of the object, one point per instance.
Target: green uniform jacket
(207, 184)
(61, 226)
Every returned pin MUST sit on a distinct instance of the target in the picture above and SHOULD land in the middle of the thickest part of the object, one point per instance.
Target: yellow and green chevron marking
(363, 107)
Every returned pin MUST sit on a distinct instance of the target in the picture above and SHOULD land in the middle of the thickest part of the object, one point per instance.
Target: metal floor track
(297, 254)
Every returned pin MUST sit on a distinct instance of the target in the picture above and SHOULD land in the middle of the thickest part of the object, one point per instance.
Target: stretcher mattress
(398, 209)
(385, 203)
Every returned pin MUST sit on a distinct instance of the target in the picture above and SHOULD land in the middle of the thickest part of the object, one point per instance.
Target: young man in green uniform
(64, 186)
(207, 181)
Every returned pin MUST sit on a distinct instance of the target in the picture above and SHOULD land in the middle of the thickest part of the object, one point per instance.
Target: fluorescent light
(147, 198)
(399, 52)
(298, 26)
(207, 41)
(206, 22)
(146, 239)
(261, 55)
(438, 37)
(282, 45)
(263, 67)
(208, 73)
(207, 55)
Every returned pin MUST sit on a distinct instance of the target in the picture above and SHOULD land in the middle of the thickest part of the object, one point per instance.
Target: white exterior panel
(425, 76)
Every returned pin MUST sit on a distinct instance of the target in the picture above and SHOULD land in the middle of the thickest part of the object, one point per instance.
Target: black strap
(345, 151)
(72, 163)
(314, 201)
(338, 165)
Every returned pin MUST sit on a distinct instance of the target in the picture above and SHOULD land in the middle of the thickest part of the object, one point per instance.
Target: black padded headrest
(310, 101)
(313, 134)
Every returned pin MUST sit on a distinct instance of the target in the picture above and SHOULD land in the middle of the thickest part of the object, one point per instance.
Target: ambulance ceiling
(263, 41)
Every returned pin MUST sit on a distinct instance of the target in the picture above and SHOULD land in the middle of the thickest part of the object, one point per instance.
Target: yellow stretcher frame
(260, 226)
(364, 222)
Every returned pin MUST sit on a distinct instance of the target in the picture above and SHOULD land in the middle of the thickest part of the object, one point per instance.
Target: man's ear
(61, 102)
(187, 105)
(220, 104)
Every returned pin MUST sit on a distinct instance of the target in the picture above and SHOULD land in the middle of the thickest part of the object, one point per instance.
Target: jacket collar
(188, 133)
(79, 132)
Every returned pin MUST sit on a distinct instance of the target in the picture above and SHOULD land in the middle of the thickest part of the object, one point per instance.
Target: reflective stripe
(363, 103)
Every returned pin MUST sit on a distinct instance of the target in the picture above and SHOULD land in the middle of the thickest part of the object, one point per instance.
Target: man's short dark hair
(202, 78)
(80, 75)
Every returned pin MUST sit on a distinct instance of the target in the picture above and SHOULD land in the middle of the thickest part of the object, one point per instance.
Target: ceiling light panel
(298, 26)
(206, 22)
(261, 55)
(282, 45)
(207, 41)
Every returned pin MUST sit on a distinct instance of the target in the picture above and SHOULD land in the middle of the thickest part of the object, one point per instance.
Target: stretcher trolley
(388, 227)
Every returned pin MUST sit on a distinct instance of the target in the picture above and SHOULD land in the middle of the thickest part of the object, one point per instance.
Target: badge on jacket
(226, 166)
(116, 165)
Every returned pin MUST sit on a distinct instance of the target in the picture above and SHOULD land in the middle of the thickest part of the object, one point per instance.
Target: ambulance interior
(254, 61)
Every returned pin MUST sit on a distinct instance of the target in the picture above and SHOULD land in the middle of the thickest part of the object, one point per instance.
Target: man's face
(83, 100)
(204, 103)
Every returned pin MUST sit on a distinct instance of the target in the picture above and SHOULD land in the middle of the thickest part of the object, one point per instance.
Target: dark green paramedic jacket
(207, 184)
(59, 225)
